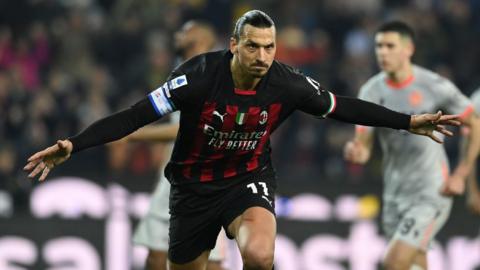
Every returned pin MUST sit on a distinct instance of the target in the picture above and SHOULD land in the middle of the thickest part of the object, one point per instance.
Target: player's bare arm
(108, 129)
(455, 184)
(473, 192)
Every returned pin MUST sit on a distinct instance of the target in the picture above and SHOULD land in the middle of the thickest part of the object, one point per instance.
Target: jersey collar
(400, 85)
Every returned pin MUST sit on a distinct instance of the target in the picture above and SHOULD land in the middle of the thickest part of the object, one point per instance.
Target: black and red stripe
(199, 140)
(273, 116)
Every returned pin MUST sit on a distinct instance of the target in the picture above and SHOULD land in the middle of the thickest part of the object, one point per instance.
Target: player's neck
(401, 75)
(241, 79)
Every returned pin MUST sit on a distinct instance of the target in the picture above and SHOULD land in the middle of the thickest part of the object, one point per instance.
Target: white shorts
(415, 225)
(152, 231)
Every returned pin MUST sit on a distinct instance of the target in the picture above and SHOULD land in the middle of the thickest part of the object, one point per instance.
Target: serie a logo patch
(177, 82)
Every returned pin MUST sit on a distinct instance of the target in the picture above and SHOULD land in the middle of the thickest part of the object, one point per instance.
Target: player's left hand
(426, 124)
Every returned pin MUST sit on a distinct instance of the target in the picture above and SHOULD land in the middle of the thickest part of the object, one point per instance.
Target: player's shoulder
(285, 75)
(429, 77)
(280, 68)
(203, 64)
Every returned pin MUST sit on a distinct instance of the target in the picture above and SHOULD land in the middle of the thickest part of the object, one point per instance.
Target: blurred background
(66, 63)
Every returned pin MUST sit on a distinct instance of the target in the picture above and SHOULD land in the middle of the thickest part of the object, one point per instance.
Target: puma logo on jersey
(269, 201)
(219, 115)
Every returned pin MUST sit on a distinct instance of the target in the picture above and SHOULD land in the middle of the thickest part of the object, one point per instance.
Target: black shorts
(196, 219)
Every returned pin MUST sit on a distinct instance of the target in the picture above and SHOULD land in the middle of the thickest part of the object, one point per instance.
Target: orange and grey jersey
(413, 164)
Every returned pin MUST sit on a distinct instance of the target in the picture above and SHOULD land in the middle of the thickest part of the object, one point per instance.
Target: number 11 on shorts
(254, 188)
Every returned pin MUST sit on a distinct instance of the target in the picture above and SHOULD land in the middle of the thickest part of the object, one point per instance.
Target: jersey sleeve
(452, 99)
(312, 98)
(183, 88)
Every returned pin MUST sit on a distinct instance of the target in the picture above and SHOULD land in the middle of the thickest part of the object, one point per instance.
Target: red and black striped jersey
(225, 132)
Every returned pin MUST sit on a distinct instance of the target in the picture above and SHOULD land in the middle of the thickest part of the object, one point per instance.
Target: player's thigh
(199, 263)
(251, 211)
(250, 219)
(256, 224)
(400, 255)
(421, 260)
(214, 265)
(156, 260)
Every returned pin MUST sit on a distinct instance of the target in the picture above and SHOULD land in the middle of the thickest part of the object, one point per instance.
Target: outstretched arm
(357, 111)
(365, 113)
(469, 149)
(111, 128)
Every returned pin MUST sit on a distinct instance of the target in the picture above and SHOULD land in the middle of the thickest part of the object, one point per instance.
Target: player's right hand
(426, 124)
(355, 152)
(44, 161)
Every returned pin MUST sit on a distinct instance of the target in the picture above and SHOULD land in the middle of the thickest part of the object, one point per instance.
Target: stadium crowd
(66, 63)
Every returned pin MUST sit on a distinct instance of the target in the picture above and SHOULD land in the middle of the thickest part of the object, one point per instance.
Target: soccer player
(220, 171)
(473, 191)
(414, 168)
(194, 38)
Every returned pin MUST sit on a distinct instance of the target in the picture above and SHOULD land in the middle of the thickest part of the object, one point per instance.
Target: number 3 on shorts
(254, 188)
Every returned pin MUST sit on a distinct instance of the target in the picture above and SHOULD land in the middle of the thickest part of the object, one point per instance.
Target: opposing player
(221, 173)
(416, 170)
(194, 38)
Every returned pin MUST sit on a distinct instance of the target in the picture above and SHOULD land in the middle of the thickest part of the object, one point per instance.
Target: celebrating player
(220, 171)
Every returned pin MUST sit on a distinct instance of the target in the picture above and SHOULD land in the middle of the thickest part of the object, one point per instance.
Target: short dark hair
(398, 27)
(255, 18)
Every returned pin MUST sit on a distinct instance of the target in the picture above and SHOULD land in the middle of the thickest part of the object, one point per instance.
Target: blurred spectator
(6, 47)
